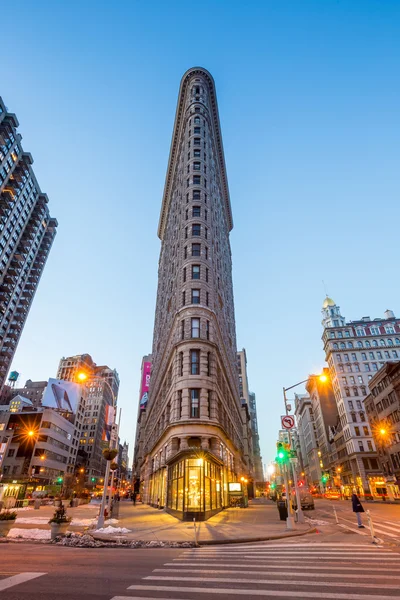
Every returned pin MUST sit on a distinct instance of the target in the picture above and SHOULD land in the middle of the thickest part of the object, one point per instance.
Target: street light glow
(323, 378)
(82, 376)
(383, 431)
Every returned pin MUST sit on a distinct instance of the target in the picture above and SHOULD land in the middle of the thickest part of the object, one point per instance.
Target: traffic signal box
(282, 453)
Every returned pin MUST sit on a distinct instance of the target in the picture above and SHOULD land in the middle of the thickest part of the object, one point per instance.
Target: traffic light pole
(300, 514)
(289, 518)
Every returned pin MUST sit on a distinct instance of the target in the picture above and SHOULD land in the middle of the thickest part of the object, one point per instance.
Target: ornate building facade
(192, 439)
(355, 351)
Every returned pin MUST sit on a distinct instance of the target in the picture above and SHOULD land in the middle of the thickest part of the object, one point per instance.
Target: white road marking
(331, 584)
(242, 547)
(17, 579)
(221, 563)
(321, 555)
(245, 592)
(273, 571)
(380, 524)
(354, 530)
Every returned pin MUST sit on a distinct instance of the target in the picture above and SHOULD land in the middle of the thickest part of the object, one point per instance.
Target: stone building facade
(355, 351)
(27, 232)
(192, 441)
(383, 409)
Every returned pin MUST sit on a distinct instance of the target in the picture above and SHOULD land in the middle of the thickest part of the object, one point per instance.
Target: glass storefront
(194, 486)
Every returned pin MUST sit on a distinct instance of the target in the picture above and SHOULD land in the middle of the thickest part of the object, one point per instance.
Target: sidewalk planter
(58, 529)
(7, 520)
(60, 522)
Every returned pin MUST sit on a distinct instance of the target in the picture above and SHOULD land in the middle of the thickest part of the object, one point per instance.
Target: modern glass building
(27, 232)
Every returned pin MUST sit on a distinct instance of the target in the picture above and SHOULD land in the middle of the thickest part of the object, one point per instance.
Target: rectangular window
(196, 212)
(180, 403)
(370, 446)
(196, 195)
(206, 274)
(196, 166)
(351, 405)
(186, 233)
(206, 233)
(195, 271)
(207, 298)
(184, 274)
(206, 253)
(195, 362)
(208, 330)
(357, 431)
(361, 446)
(196, 141)
(197, 152)
(196, 130)
(365, 429)
(195, 403)
(205, 215)
(195, 328)
(196, 229)
(183, 330)
(195, 296)
(196, 180)
(183, 298)
(209, 402)
(196, 249)
(185, 252)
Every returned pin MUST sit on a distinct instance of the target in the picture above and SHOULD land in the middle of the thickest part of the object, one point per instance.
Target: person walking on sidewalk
(357, 508)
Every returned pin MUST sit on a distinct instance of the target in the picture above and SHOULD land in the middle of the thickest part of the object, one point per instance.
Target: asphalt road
(72, 573)
(302, 568)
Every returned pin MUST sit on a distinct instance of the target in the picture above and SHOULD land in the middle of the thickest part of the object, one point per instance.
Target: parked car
(306, 499)
(332, 495)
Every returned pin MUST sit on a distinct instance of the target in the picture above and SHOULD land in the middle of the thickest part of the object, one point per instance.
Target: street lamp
(300, 515)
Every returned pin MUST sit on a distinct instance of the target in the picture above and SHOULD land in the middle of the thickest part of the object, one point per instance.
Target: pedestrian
(134, 498)
(357, 508)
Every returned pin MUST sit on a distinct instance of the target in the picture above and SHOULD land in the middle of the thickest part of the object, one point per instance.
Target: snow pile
(32, 520)
(316, 522)
(23, 508)
(29, 534)
(112, 530)
(83, 522)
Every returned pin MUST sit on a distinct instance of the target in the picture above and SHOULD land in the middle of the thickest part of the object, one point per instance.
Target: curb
(227, 541)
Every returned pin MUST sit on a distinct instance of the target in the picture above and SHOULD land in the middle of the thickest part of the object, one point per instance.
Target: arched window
(367, 344)
(375, 343)
(347, 392)
(350, 345)
(359, 344)
(382, 343)
(355, 391)
(342, 345)
(335, 346)
(390, 342)
(397, 341)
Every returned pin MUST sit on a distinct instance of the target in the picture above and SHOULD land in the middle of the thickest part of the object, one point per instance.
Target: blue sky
(308, 95)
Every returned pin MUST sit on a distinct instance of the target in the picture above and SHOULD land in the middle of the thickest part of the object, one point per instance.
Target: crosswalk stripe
(265, 551)
(380, 524)
(357, 585)
(379, 530)
(334, 555)
(351, 529)
(17, 579)
(222, 563)
(273, 571)
(395, 523)
(242, 547)
(245, 592)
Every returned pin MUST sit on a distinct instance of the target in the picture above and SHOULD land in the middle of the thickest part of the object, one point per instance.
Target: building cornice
(176, 137)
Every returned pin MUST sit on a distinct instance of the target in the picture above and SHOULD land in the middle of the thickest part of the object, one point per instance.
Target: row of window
(379, 356)
(196, 195)
(196, 231)
(195, 297)
(352, 380)
(195, 328)
(195, 363)
(360, 331)
(375, 344)
(196, 251)
(195, 271)
(196, 212)
(196, 166)
(194, 403)
(196, 180)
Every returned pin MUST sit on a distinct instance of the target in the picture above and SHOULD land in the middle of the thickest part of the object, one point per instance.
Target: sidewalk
(257, 522)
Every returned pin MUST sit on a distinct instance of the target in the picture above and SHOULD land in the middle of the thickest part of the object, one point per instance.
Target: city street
(385, 517)
(302, 568)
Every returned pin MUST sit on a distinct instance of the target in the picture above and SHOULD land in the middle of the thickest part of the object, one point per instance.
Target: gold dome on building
(328, 302)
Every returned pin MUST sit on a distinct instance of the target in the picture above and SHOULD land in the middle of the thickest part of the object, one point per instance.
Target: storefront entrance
(194, 486)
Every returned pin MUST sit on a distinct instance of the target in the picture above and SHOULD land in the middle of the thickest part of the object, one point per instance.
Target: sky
(308, 96)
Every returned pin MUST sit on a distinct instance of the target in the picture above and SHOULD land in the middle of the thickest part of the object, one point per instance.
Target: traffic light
(93, 479)
(325, 477)
(272, 486)
(282, 454)
(59, 479)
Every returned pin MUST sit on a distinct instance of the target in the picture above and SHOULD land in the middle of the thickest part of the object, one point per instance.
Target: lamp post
(300, 515)
(109, 453)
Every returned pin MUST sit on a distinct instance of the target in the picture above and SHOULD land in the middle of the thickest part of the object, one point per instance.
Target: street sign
(293, 454)
(287, 422)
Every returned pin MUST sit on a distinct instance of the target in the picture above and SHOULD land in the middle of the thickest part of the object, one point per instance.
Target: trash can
(282, 508)
(37, 504)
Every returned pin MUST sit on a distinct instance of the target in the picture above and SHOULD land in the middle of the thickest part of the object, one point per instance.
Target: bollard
(336, 517)
(371, 528)
(195, 531)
